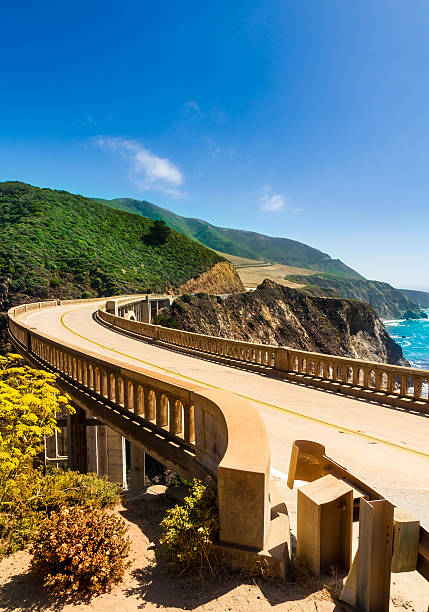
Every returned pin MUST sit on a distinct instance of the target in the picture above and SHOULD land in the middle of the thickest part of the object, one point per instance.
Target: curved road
(388, 448)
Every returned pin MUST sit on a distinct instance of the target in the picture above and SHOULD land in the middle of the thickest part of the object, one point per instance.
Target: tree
(158, 233)
(29, 403)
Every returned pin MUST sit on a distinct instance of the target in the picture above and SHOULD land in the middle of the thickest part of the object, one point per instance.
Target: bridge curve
(195, 431)
(366, 435)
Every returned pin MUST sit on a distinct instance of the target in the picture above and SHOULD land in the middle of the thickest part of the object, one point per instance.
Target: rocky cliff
(221, 278)
(390, 303)
(273, 314)
(419, 297)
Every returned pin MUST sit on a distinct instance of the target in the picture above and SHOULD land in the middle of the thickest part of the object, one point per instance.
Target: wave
(394, 321)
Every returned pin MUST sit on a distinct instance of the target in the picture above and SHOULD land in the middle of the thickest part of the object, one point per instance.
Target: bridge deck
(387, 448)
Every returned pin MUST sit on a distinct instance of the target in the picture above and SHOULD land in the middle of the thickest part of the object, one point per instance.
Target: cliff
(390, 303)
(221, 278)
(418, 297)
(273, 314)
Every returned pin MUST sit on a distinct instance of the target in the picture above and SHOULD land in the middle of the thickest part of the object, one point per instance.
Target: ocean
(413, 336)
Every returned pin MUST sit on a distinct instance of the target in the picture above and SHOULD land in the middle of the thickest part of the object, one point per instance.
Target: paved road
(387, 448)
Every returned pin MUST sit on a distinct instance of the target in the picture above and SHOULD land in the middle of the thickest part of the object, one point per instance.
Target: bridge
(207, 406)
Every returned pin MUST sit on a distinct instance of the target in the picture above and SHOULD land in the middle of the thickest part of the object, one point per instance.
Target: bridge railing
(395, 385)
(196, 430)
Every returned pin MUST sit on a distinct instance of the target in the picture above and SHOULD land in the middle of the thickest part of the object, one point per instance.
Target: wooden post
(375, 555)
(325, 522)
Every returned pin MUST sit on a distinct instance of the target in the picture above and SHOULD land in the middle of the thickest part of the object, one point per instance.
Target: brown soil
(148, 586)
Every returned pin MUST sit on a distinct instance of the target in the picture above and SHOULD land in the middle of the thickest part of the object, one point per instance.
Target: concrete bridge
(232, 410)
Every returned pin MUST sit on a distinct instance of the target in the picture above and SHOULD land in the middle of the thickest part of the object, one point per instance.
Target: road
(387, 448)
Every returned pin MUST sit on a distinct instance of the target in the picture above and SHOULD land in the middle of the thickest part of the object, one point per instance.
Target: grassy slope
(56, 243)
(239, 242)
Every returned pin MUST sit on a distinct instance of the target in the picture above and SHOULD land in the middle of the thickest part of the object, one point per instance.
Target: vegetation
(189, 530)
(239, 242)
(385, 299)
(53, 243)
(78, 549)
(29, 403)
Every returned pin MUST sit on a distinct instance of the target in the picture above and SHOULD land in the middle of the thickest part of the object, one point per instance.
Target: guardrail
(379, 382)
(194, 430)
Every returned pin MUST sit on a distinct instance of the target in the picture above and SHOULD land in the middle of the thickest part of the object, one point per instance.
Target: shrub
(80, 549)
(35, 495)
(73, 488)
(189, 531)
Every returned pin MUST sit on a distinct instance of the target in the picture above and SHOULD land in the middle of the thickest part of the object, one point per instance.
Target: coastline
(413, 337)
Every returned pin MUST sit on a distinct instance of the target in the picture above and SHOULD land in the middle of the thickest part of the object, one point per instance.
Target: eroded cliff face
(220, 278)
(273, 314)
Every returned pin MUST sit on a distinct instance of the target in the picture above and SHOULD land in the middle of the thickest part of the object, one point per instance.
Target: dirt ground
(148, 586)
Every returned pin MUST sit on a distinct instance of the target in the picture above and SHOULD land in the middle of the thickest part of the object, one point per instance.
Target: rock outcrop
(390, 303)
(273, 314)
(220, 278)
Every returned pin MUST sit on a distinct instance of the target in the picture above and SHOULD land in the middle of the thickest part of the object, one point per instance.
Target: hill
(56, 244)
(273, 314)
(390, 303)
(241, 243)
(419, 297)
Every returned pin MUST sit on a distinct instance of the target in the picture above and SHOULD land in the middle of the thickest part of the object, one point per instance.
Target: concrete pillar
(146, 313)
(77, 452)
(138, 466)
(92, 449)
(116, 457)
(324, 524)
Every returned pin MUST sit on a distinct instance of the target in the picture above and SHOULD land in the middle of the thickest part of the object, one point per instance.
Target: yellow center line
(348, 430)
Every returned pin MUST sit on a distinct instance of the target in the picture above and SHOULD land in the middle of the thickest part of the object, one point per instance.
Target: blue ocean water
(413, 336)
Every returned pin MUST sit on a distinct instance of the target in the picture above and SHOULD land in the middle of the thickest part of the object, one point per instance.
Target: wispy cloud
(192, 109)
(147, 170)
(214, 149)
(272, 202)
(297, 211)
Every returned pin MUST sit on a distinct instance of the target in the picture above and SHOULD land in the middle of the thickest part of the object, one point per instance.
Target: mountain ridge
(242, 243)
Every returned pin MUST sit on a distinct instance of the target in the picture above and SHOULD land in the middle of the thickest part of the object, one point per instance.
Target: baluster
(176, 425)
(417, 388)
(161, 409)
(149, 404)
(125, 393)
(404, 385)
(189, 423)
(378, 385)
(90, 376)
(366, 374)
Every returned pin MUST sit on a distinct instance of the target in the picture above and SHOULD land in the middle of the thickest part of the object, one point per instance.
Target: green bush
(73, 488)
(80, 549)
(35, 495)
(189, 531)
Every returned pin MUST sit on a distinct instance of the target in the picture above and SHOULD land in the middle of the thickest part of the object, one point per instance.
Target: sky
(308, 120)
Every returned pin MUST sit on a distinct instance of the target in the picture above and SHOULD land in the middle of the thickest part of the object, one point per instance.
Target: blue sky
(308, 119)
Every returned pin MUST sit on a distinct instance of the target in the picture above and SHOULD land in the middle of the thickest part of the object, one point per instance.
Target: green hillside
(56, 243)
(239, 242)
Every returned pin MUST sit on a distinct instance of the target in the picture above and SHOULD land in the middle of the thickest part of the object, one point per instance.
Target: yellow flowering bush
(189, 530)
(29, 403)
(80, 549)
